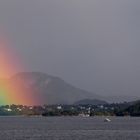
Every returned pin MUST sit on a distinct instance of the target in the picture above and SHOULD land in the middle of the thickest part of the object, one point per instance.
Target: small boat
(107, 120)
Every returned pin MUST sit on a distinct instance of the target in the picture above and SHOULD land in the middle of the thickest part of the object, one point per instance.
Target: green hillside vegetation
(134, 110)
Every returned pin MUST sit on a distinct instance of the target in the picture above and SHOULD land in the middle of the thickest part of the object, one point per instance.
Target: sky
(92, 44)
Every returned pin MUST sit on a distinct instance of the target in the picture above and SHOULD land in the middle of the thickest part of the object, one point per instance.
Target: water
(69, 128)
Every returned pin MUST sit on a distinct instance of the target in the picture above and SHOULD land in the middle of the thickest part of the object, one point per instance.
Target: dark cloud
(93, 44)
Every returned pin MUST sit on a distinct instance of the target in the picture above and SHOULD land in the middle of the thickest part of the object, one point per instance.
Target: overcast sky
(93, 44)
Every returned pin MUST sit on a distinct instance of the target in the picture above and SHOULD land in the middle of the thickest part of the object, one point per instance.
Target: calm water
(69, 128)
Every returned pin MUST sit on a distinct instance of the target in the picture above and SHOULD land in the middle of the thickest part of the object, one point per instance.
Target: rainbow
(12, 93)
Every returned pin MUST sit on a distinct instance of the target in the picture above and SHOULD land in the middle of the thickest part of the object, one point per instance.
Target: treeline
(115, 109)
(132, 110)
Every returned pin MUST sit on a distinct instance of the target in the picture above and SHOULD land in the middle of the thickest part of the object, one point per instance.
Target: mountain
(46, 89)
(120, 98)
(90, 102)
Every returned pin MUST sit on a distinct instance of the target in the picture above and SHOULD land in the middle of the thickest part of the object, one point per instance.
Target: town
(114, 109)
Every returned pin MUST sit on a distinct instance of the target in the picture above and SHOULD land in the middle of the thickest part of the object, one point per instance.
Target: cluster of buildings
(61, 110)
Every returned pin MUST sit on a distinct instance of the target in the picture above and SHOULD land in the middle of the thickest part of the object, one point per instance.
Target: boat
(107, 120)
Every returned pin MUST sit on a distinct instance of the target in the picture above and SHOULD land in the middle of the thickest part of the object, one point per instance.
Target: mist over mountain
(90, 102)
(120, 98)
(47, 89)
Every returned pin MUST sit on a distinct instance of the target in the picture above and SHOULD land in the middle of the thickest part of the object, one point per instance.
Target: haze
(92, 44)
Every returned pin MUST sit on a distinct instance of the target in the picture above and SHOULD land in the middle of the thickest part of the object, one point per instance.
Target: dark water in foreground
(69, 128)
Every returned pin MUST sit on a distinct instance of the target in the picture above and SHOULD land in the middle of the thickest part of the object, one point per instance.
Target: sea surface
(69, 128)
